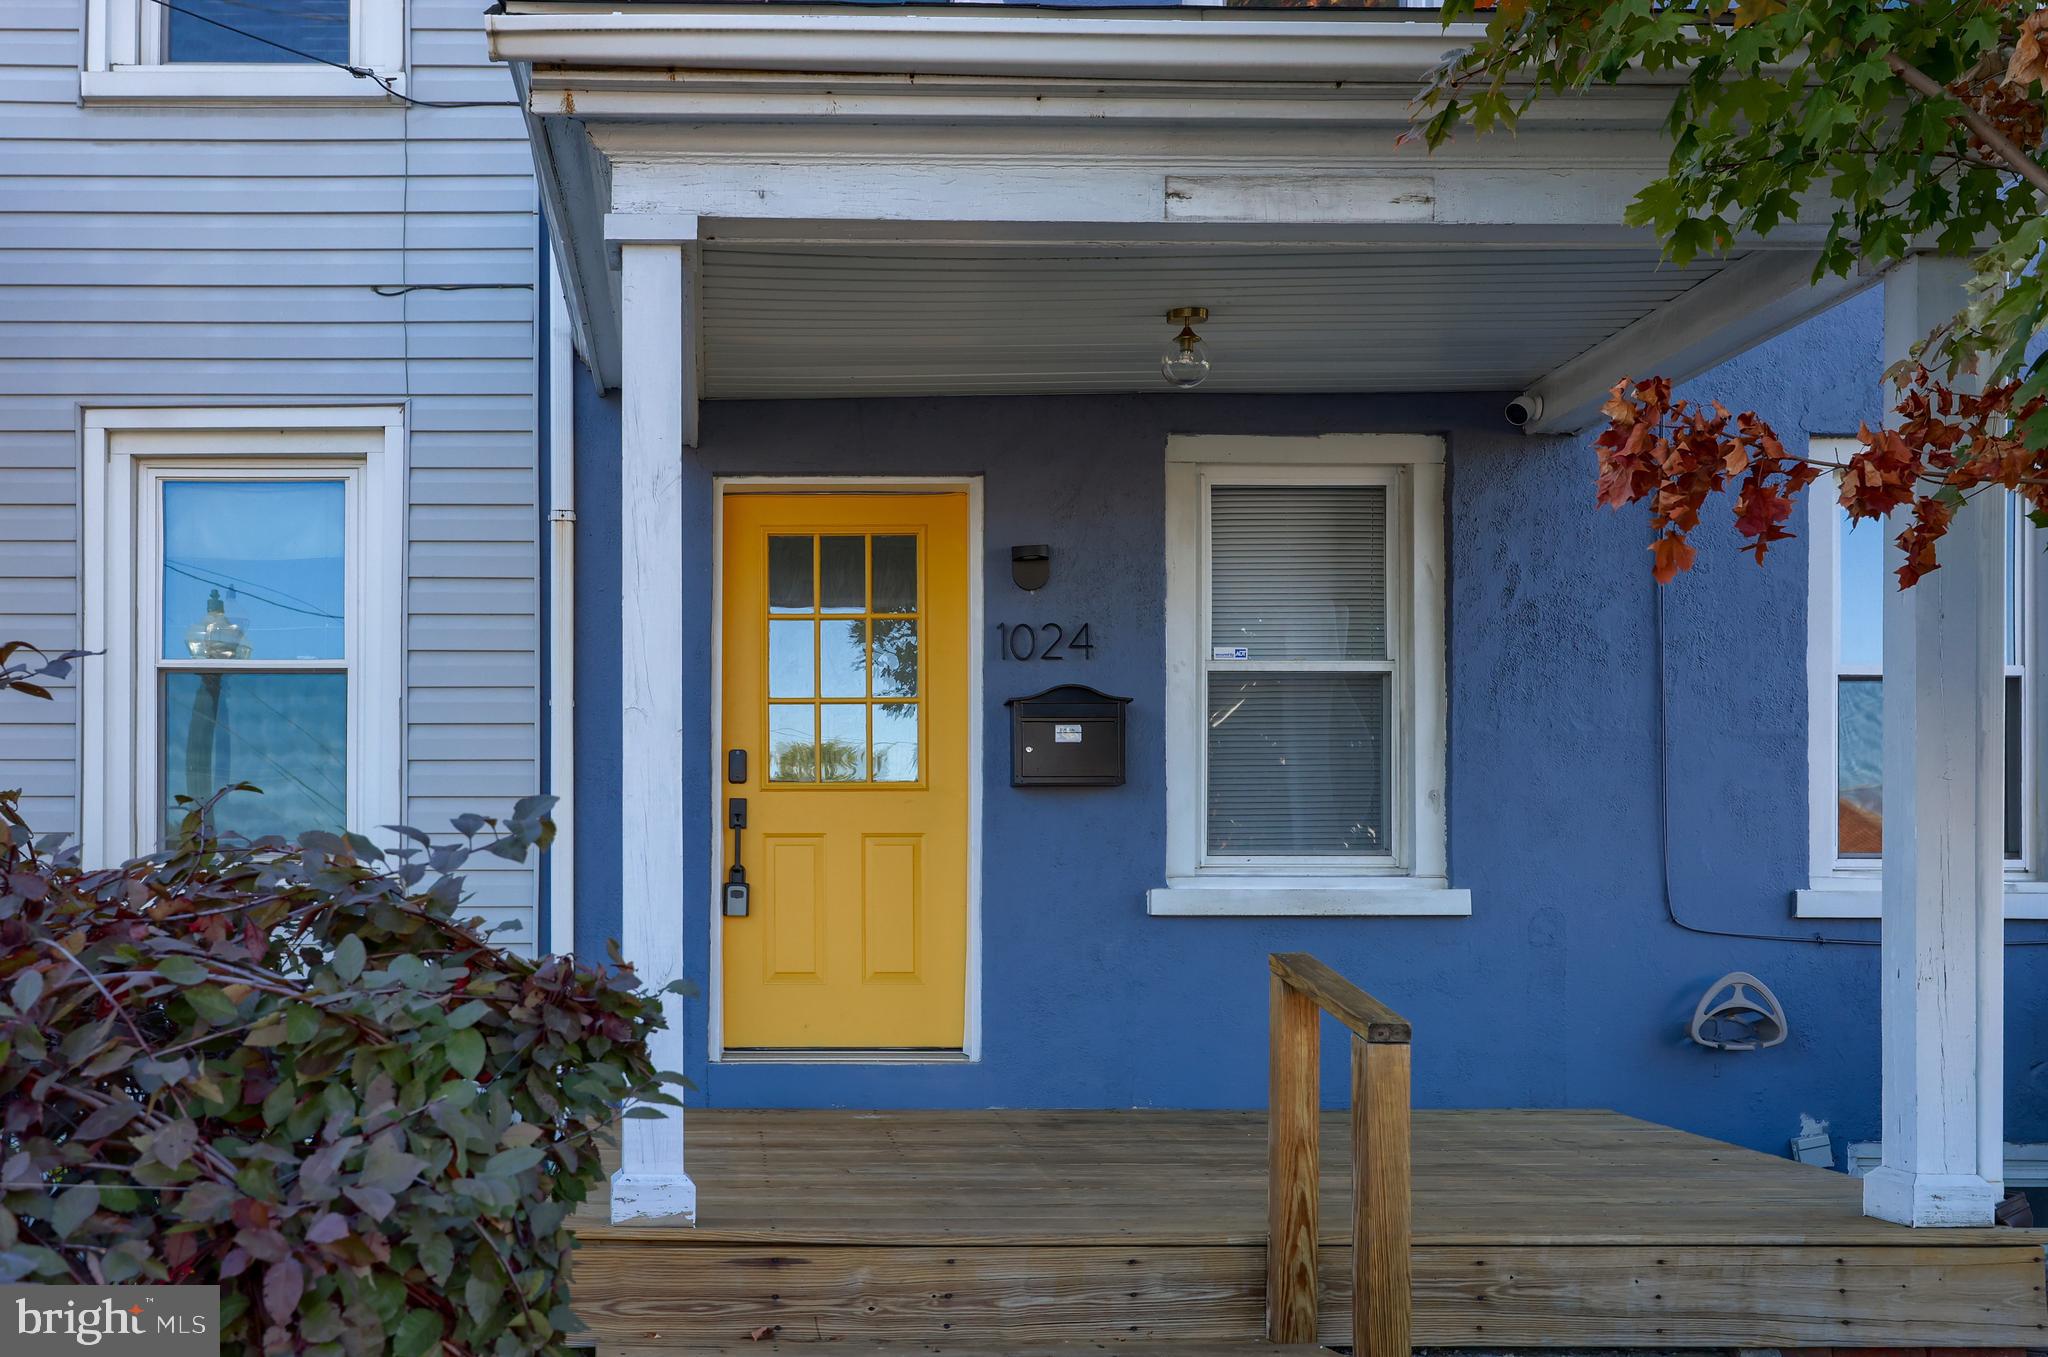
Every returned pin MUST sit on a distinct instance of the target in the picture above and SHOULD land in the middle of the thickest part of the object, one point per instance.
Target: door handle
(736, 892)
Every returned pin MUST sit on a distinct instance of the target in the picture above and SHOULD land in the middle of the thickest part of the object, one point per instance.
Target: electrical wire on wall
(405, 287)
(359, 72)
(1816, 938)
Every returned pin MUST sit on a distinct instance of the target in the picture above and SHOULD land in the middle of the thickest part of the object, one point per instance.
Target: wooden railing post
(1380, 1216)
(1381, 1224)
(1294, 1166)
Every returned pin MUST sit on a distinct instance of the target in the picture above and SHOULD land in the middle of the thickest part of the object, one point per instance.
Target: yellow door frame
(715, 838)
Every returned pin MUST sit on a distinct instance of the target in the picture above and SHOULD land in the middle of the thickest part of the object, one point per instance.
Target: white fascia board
(1180, 45)
(1755, 299)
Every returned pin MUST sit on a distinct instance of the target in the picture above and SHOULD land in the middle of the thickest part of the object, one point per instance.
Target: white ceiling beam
(1755, 299)
(1540, 203)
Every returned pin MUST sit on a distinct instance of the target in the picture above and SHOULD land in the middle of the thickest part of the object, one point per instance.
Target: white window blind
(1299, 672)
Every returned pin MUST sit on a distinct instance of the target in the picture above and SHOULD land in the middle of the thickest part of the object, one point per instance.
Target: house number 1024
(1042, 641)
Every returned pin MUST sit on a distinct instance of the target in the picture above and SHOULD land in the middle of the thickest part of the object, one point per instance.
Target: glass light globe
(1186, 364)
(216, 636)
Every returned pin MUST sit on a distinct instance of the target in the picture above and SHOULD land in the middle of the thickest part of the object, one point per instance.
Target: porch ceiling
(797, 321)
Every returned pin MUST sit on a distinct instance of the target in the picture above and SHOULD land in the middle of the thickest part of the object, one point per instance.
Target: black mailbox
(1069, 736)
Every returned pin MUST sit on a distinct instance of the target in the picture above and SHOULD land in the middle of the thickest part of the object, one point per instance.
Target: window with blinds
(1300, 672)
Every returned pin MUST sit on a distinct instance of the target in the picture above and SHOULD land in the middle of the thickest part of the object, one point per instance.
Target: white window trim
(1417, 883)
(1852, 888)
(123, 60)
(123, 449)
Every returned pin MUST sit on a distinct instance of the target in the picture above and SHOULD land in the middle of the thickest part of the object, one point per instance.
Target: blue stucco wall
(1568, 986)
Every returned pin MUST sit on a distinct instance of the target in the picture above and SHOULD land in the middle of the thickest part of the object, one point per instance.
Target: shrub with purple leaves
(294, 1068)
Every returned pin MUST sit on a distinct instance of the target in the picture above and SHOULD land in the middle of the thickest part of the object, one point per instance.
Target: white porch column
(650, 1180)
(1943, 958)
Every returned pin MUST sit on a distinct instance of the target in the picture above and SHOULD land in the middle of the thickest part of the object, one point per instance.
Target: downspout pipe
(561, 859)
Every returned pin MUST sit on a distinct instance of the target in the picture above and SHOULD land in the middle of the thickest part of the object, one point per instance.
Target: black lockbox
(1069, 736)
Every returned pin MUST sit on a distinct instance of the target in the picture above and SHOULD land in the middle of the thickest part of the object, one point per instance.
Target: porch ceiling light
(1185, 363)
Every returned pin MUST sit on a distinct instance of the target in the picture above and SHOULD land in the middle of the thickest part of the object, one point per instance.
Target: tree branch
(2017, 160)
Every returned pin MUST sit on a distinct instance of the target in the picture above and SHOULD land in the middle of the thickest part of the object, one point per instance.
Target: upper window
(1305, 696)
(246, 595)
(228, 49)
(1846, 701)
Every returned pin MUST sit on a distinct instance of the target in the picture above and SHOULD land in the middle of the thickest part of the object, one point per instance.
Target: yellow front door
(845, 681)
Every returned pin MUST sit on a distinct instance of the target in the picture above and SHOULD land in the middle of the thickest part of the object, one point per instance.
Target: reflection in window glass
(254, 570)
(791, 661)
(895, 658)
(895, 742)
(792, 751)
(1859, 622)
(789, 575)
(284, 733)
(202, 30)
(895, 574)
(843, 750)
(1859, 767)
(843, 667)
(843, 574)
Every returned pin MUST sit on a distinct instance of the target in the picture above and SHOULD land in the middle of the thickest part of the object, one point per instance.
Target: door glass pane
(792, 751)
(895, 658)
(843, 752)
(1859, 623)
(1299, 572)
(895, 574)
(1299, 765)
(254, 570)
(316, 29)
(789, 575)
(895, 742)
(284, 733)
(843, 668)
(843, 574)
(791, 659)
(1859, 762)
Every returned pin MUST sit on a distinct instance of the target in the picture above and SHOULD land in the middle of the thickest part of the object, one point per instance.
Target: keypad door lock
(736, 876)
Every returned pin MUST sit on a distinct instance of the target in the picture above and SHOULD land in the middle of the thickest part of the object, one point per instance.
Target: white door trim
(714, 987)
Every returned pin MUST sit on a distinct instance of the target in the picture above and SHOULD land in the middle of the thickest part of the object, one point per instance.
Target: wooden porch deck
(1036, 1228)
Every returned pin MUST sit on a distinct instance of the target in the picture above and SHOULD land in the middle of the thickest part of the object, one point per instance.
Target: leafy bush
(292, 1069)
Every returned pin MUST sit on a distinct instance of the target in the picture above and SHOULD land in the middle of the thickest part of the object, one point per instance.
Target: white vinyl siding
(181, 254)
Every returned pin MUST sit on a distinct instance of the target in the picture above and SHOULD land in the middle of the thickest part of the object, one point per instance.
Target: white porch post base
(650, 1180)
(636, 1196)
(1942, 964)
(1908, 1198)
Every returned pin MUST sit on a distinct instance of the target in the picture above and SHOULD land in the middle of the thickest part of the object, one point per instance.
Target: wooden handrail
(1347, 1003)
(1303, 989)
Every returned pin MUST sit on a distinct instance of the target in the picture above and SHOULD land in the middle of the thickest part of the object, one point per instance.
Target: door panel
(845, 679)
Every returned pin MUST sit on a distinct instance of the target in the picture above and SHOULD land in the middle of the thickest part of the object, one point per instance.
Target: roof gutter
(1065, 45)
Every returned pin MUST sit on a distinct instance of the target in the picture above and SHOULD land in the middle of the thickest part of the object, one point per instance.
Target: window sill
(233, 83)
(1861, 897)
(1295, 897)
